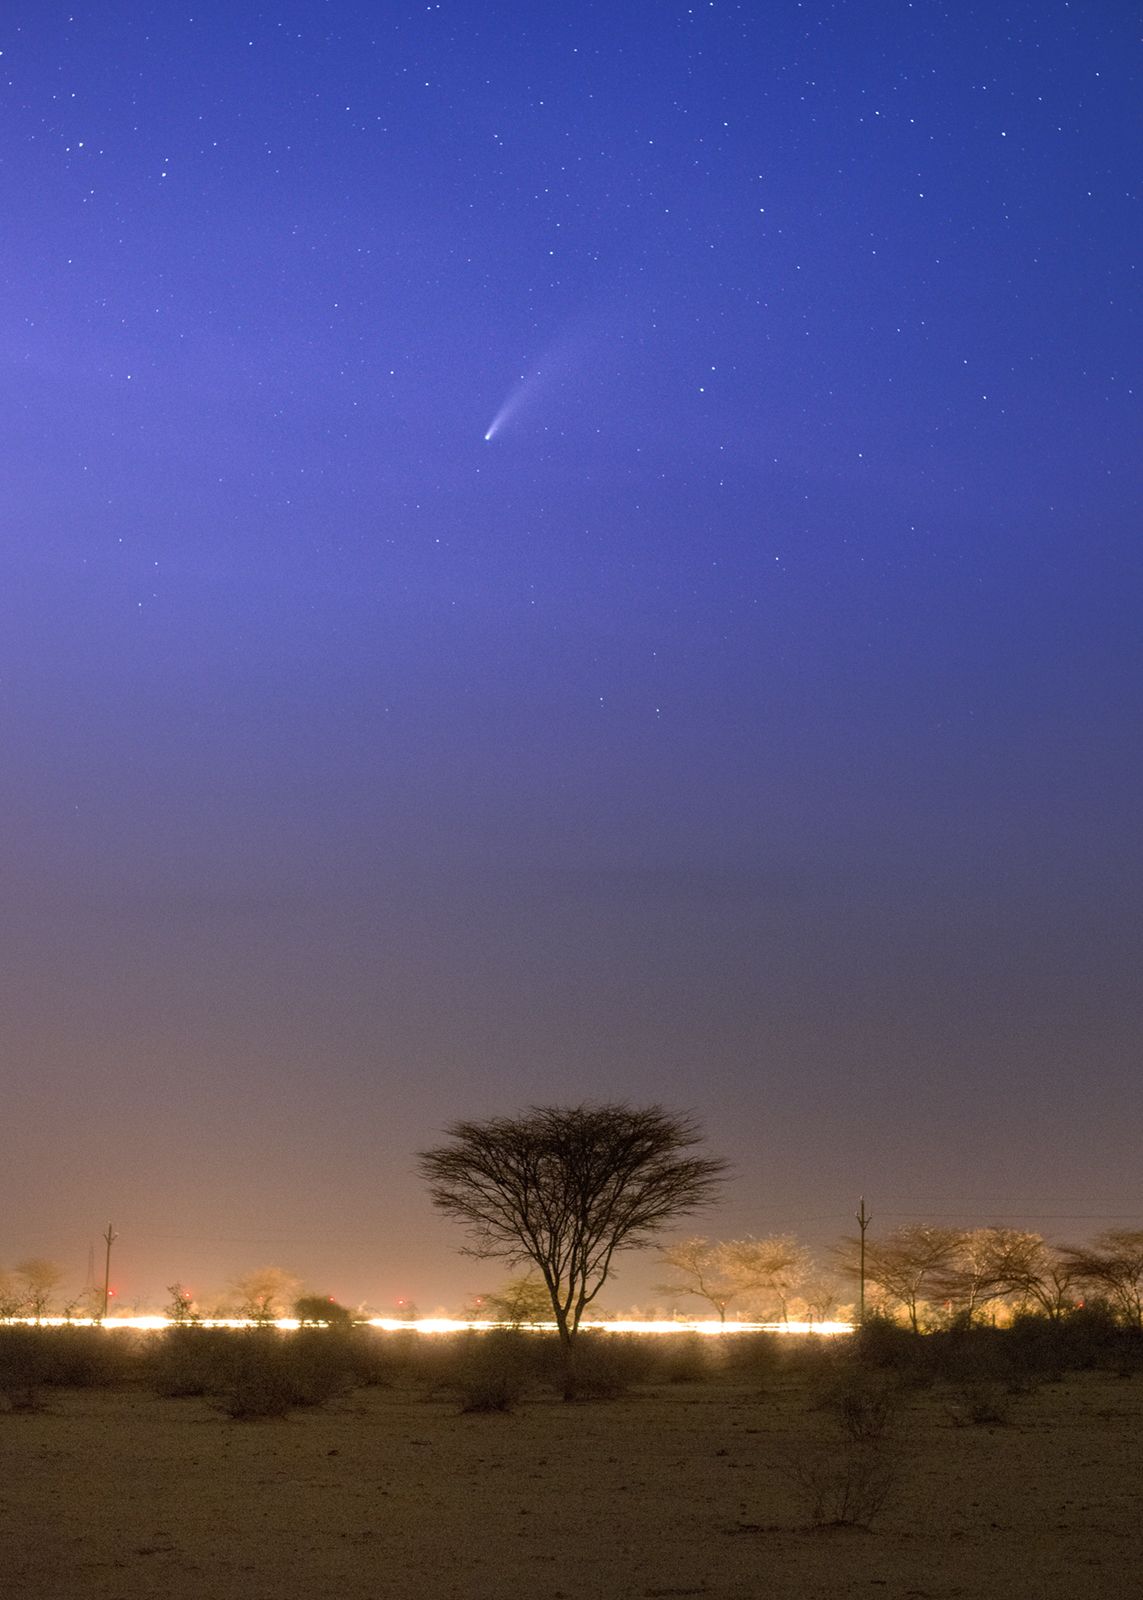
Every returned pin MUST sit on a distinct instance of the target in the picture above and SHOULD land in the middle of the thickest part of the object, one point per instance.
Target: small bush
(66, 1358)
(750, 1357)
(977, 1404)
(319, 1363)
(604, 1366)
(684, 1358)
(256, 1373)
(88, 1358)
(885, 1346)
(494, 1376)
(1091, 1338)
(256, 1392)
(867, 1408)
(259, 1379)
(187, 1361)
(373, 1362)
(847, 1487)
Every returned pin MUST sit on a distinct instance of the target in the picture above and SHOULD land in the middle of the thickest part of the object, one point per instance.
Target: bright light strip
(438, 1325)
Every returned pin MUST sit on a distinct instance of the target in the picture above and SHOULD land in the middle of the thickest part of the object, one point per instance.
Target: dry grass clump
(867, 1407)
(847, 1487)
(850, 1478)
(978, 1404)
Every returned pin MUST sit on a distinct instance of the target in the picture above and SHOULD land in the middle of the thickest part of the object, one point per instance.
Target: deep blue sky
(752, 724)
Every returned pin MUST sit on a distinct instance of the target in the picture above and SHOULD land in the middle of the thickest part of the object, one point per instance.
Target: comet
(525, 386)
(563, 360)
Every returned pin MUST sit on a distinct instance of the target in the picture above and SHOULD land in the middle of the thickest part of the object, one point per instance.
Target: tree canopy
(565, 1187)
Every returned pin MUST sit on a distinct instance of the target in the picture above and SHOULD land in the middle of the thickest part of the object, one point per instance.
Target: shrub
(186, 1361)
(254, 1373)
(66, 1358)
(867, 1407)
(885, 1345)
(318, 1363)
(1034, 1349)
(88, 1358)
(21, 1370)
(257, 1390)
(604, 1366)
(432, 1363)
(977, 1404)
(685, 1358)
(495, 1375)
(1091, 1337)
(259, 1381)
(181, 1307)
(750, 1357)
(846, 1487)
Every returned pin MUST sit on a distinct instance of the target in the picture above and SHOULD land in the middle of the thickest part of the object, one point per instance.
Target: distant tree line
(930, 1277)
(923, 1276)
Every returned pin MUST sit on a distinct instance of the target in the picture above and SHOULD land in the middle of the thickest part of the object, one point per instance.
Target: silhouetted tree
(1047, 1281)
(565, 1187)
(264, 1295)
(180, 1309)
(987, 1265)
(753, 1270)
(771, 1270)
(1113, 1265)
(322, 1310)
(819, 1296)
(522, 1300)
(12, 1296)
(37, 1279)
(904, 1267)
(700, 1267)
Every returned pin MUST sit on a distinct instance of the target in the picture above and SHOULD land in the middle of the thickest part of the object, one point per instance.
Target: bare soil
(684, 1490)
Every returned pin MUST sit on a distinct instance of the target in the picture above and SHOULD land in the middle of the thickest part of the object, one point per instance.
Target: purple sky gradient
(753, 725)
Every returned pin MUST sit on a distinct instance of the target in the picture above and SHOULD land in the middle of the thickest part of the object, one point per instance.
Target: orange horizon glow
(428, 1325)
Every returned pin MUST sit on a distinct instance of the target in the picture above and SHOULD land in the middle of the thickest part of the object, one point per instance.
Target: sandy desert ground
(683, 1490)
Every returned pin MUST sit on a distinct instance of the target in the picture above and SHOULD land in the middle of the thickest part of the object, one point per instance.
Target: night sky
(751, 723)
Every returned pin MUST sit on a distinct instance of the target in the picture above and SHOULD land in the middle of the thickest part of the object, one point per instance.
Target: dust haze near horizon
(757, 735)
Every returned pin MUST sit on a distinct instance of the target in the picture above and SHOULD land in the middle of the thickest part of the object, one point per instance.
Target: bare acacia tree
(755, 1270)
(771, 1270)
(266, 1294)
(820, 1296)
(701, 1267)
(989, 1265)
(565, 1187)
(905, 1267)
(1047, 1281)
(521, 1302)
(12, 1296)
(1113, 1265)
(38, 1279)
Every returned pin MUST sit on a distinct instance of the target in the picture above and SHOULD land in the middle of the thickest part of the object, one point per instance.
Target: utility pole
(863, 1221)
(109, 1239)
